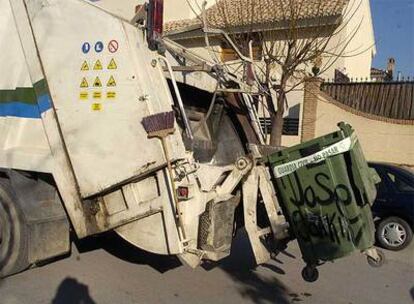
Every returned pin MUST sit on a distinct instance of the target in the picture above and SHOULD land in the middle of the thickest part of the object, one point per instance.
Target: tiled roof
(241, 13)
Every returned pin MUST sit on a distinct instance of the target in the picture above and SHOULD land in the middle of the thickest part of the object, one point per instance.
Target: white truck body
(77, 81)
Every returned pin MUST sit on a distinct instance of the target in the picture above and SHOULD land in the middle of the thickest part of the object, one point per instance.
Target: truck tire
(13, 233)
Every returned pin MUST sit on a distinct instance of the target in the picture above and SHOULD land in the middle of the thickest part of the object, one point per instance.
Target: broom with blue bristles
(161, 125)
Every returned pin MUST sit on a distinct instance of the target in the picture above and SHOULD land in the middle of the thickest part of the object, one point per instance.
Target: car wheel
(394, 233)
(13, 234)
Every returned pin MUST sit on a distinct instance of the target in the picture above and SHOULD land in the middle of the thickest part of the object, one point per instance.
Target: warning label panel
(94, 77)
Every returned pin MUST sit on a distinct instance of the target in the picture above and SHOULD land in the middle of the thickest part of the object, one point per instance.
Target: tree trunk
(277, 129)
(277, 121)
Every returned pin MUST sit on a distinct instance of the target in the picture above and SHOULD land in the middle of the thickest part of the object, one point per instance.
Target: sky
(394, 34)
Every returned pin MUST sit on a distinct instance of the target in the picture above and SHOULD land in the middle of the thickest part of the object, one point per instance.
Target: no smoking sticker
(113, 46)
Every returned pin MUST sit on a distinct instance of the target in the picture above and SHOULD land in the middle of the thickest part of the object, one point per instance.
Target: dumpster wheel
(376, 262)
(310, 273)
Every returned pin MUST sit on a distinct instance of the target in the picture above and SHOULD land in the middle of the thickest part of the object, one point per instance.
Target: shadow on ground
(121, 249)
(240, 266)
(70, 291)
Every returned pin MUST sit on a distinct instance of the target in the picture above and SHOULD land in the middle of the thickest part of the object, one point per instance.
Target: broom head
(159, 125)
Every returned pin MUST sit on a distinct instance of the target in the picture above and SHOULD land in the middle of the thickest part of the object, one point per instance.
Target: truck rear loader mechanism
(77, 82)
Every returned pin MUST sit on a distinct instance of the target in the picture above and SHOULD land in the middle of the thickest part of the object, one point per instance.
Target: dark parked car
(394, 206)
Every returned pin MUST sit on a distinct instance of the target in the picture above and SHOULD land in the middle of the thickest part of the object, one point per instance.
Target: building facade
(348, 22)
(353, 41)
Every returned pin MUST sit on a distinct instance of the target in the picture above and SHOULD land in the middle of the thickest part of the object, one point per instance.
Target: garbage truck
(98, 136)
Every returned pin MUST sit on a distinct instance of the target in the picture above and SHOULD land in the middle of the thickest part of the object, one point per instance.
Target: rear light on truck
(183, 193)
(155, 19)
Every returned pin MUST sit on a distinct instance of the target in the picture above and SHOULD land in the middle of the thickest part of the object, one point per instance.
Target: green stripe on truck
(24, 95)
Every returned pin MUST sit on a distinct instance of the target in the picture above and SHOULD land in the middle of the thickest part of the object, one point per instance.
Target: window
(399, 183)
(242, 42)
(290, 126)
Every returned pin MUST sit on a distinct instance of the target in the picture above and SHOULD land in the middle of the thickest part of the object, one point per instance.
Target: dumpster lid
(340, 147)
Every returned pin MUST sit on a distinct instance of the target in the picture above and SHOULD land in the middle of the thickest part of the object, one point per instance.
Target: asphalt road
(105, 272)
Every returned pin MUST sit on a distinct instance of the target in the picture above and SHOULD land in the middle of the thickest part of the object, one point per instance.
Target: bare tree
(298, 39)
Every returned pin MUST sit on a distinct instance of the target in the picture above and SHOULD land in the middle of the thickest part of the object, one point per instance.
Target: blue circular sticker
(99, 47)
(86, 47)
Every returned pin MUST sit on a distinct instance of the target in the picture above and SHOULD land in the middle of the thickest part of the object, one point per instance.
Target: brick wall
(382, 139)
(312, 90)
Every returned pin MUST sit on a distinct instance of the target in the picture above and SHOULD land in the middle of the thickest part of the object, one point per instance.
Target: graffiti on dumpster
(341, 193)
(335, 226)
(326, 227)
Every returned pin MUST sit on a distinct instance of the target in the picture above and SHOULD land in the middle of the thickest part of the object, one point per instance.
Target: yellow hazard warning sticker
(97, 95)
(112, 65)
(110, 95)
(111, 82)
(83, 95)
(98, 65)
(96, 107)
(84, 83)
(85, 66)
(97, 83)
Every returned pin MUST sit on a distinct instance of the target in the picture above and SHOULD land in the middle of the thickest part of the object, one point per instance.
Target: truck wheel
(13, 234)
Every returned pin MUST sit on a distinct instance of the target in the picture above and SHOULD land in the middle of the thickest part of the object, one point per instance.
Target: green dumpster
(326, 191)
